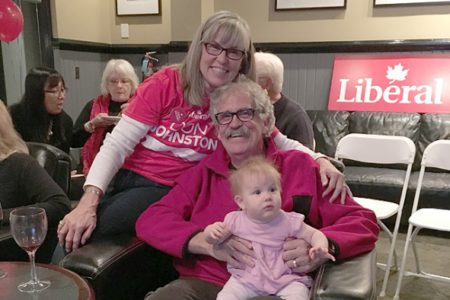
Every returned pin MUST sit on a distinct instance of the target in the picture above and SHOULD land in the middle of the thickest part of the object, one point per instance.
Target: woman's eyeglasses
(57, 92)
(244, 115)
(231, 53)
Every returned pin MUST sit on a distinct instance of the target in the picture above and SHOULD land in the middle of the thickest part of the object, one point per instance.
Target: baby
(257, 191)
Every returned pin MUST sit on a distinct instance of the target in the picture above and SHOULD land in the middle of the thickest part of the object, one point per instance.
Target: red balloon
(11, 21)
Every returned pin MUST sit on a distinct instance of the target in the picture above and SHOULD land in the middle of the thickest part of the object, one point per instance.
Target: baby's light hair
(256, 165)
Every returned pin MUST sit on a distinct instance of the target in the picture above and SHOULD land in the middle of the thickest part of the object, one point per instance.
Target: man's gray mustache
(242, 131)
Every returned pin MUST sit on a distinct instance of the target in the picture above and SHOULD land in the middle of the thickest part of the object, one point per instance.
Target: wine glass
(29, 228)
(2, 273)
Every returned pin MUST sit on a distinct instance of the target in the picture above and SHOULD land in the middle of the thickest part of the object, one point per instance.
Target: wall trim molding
(300, 47)
(357, 46)
(82, 46)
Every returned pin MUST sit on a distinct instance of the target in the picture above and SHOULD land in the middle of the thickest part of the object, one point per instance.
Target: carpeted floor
(434, 254)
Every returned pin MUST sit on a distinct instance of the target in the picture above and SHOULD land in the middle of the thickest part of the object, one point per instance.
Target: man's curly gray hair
(261, 101)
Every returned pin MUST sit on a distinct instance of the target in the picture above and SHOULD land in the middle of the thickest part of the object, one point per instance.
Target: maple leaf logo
(178, 115)
(396, 73)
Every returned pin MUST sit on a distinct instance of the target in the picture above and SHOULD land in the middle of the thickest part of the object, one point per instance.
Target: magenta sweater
(202, 196)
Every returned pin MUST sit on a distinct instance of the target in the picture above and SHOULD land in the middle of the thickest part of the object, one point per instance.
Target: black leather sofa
(385, 181)
(127, 268)
(57, 163)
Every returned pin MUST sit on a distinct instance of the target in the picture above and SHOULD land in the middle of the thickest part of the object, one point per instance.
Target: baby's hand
(216, 233)
(320, 252)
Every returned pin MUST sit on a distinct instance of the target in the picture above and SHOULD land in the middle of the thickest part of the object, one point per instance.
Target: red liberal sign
(413, 83)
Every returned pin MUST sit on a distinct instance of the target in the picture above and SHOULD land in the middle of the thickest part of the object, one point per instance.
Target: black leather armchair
(56, 162)
(127, 268)
(120, 268)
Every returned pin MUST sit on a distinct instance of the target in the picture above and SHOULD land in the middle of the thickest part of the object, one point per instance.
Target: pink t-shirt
(270, 273)
(180, 134)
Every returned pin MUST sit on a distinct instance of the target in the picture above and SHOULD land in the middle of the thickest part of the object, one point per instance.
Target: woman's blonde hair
(231, 28)
(10, 141)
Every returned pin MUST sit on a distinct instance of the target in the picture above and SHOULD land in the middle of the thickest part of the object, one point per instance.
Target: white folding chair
(436, 155)
(381, 149)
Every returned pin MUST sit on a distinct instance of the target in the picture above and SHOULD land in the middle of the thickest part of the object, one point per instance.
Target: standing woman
(39, 116)
(23, 182)
(119, 82)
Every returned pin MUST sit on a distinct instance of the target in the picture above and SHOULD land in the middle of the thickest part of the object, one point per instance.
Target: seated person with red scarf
(119, 82)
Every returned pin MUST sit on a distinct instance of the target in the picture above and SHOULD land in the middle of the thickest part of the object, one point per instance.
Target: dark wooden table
(65, 284)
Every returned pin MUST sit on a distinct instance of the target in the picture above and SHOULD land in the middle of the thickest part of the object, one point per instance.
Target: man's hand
(297, 257)
(333, 180)
(77, 226)
(235, 251)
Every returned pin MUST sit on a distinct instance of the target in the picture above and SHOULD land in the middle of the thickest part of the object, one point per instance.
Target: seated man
(290, 118)
(243, 117)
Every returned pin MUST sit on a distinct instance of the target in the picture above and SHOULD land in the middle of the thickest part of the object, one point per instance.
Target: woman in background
(23, 182)
(99, 115)
(39, 116)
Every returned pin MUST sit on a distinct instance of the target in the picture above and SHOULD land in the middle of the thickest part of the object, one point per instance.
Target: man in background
(291, 118)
